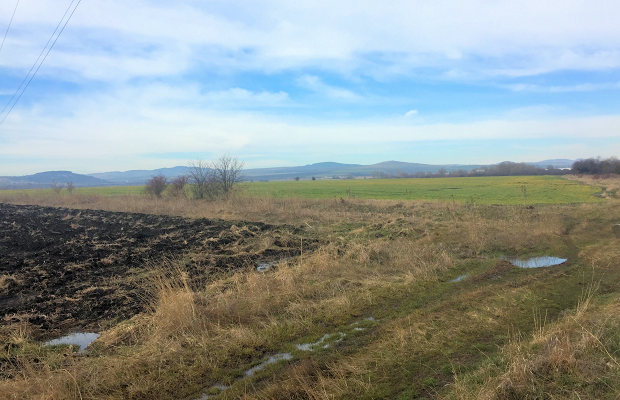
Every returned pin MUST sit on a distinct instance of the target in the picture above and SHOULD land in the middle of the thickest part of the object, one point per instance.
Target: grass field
(487, 190)
(484, 190)
(380, 289)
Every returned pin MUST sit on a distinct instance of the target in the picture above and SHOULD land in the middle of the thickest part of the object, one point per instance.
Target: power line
(9, 25)
(39, 61)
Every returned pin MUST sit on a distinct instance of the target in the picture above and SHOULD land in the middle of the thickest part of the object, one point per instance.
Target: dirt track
(64, 269)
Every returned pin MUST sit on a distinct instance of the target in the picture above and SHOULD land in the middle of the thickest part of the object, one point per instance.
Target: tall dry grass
(190, 337)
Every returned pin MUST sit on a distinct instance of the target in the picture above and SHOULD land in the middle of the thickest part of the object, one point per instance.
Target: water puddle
(271, 360)
(265, 266)
(324, 342)
(80, 339)
(537, 262)
(458, 278)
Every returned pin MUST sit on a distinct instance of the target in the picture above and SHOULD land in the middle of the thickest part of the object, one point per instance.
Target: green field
(100, 191)
(487, 190)
(484, 190)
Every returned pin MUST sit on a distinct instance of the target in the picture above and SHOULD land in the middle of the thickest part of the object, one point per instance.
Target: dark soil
(63, 269)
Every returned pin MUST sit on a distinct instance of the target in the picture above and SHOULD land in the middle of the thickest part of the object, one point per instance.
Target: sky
(141, 84)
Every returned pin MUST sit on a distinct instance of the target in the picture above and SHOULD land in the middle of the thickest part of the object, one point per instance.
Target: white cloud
(584, 87)
(120, 39)
(411, 113)
(119, 127)
(315, 84)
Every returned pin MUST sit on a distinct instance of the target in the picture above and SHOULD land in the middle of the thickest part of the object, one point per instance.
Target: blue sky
(145, 84)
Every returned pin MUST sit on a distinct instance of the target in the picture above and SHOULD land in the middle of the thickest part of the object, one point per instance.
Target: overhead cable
(9, 25)
(8, 107)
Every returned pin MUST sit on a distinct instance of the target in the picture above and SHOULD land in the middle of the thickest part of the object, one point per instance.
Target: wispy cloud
(315, 84)
(583, 87)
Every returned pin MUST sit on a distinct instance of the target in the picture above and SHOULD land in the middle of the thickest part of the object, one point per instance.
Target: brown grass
(385, 258)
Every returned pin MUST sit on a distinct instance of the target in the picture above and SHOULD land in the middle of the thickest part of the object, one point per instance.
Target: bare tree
(210, 180)
(156, 185)
(70, 187)
(177, 186)
(202, 179)
(227, 172)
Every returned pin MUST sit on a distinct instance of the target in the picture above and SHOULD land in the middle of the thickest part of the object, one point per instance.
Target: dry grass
(231, 322)
(385, 258)
(576, 357)
(610, 183)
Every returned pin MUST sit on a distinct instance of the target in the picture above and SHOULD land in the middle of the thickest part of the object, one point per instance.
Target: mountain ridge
(320, 170)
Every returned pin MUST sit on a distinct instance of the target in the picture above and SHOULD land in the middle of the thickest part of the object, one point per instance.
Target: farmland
(485, 190)
(368, 297)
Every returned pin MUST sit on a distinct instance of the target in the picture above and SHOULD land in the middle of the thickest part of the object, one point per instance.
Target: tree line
(506, 168)
(596, 166)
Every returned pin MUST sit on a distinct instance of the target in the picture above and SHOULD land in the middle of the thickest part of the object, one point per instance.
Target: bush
(177, 186)
(156, 185)
(214, 179)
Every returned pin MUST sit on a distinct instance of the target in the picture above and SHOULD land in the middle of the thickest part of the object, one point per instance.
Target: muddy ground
(63, 270)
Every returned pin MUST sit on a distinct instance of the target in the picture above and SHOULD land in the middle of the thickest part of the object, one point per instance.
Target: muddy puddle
(80, 339)
(271, 360)
(537, 262)
(458, 278)
(324, 342)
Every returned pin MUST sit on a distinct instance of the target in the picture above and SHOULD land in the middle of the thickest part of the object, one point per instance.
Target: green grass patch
(482, 190)
(485, 190)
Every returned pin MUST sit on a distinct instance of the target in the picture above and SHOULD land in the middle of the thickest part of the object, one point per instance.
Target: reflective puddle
(325, 341)
(80, 339)
(537, 262)
(265, 266)
(271, 360)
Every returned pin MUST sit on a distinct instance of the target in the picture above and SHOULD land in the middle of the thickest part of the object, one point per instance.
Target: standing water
(80, 339)
(538, 262)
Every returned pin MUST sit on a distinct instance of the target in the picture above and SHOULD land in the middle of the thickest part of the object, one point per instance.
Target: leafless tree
(156, 185)
(202, 179)
(177, 186)
(70, 187)
(213, 179)
(227, 171)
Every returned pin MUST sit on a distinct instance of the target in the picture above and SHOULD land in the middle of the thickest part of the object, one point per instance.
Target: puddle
(80, 339)
(310, 346)
(321, 342)
(458, 278)
(265, 266)
(271, 360)
(537, 262)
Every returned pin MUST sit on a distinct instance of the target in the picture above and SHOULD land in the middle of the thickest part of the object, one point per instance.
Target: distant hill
(48, 178)
(318, 170)
(322, 170)
(139, 176)
(555, 163)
